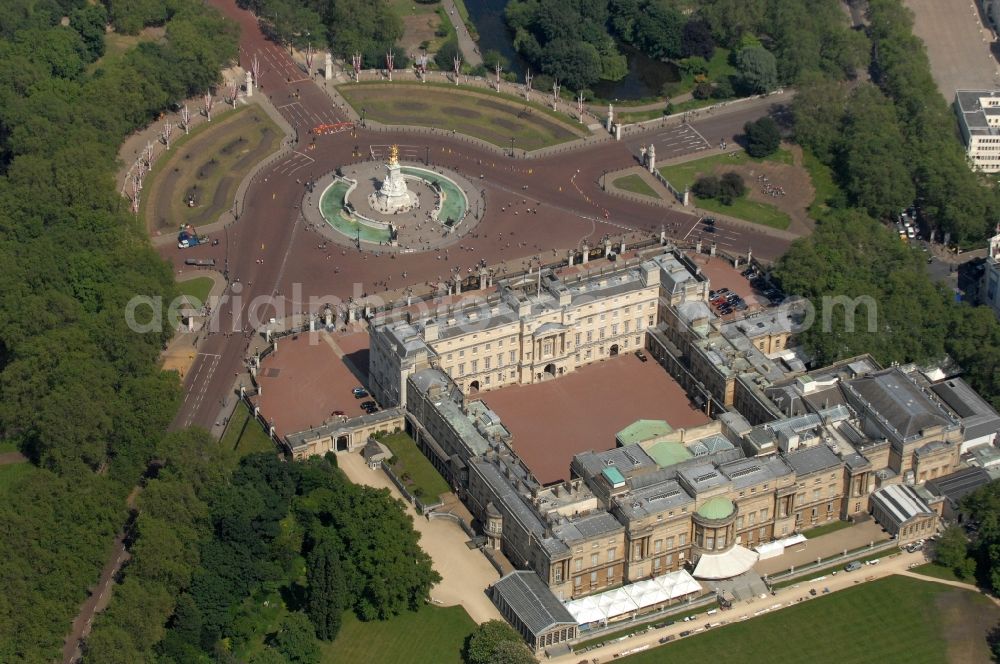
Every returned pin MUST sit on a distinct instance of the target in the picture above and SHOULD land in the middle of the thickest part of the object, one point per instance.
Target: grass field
(634, 184)
(209, 164)
(826, 529)
(491, 117)
(245, 435)
(7, 446)
(197, 288)
(425, 481)
(896, 619)
(432, 635)
(940, 572)
(742, 208)
(683, 175)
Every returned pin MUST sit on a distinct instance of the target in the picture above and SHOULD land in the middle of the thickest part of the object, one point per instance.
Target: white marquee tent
(612, 604)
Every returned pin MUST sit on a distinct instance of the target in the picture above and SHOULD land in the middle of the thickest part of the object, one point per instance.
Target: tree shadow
(294, 596)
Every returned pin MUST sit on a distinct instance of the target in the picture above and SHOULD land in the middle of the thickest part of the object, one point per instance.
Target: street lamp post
(427, 155)
(363, 118)
(512, 147)
(604, 177)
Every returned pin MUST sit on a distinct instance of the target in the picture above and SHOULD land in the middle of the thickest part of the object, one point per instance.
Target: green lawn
(425, 482)
(245, 435)
(641, 116)
(684, 174)
(432, 635)
(826, 528)
(492, 117)
(940, 572)
(197, 288)
(635, 184)
(891, 620)
(8, 446)
(742, 208)
(210, 163)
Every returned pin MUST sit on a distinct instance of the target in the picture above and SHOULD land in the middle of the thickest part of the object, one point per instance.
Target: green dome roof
(717, 508)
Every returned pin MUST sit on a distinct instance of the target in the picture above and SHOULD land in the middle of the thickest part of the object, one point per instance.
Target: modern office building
(979, 120)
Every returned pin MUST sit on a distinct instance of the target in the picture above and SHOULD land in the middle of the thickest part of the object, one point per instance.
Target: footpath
(465, 42)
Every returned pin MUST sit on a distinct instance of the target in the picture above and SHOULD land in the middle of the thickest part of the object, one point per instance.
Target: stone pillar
(458, 284)
(697, 247)
(610, 123)
(586, 253)
(686, 201)
(253, 371)
(328, 66)
(256, 409)
(482, 279)
(249, 84)
(312, 324)
(569, 258)
(607, 248)
(663, 236)
(328, 317)
(618, 131)
(622, 250)
(243, 391)
(651, 158)
(711, 250)
(749, 255)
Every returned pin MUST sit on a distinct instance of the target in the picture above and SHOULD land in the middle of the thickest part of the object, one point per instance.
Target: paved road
(271, 251)
(470, 51)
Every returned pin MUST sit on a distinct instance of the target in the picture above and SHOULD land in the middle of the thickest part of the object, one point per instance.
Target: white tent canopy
(725, 565)
(609, 605)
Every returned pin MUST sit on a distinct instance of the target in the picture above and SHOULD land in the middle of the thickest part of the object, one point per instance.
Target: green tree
(952, 549)
(296, 639)
(757, 70)
(327, 592)
(763, 137)
(446, 54)
(697, 40)
(495, 642)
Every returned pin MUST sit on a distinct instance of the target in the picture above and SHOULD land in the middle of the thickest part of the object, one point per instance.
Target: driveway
(465, 573)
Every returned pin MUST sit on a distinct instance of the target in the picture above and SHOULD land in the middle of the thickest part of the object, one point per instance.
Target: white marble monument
(393, 195)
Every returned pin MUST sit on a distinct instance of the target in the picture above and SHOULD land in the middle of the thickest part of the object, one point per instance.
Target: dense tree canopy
(797, 36)
(82, 392)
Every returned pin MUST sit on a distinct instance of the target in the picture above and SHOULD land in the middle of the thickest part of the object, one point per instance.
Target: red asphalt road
(271, 252)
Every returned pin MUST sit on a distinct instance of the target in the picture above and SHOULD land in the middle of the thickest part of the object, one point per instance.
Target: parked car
(852, 566)
(359, 392)
(667, 639)
(686, 632)
(812, 591)
(369, 406)
(642, 356)
(709, 221)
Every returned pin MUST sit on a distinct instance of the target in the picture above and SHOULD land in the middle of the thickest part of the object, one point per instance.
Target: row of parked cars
(726, 302)
(367, 406)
